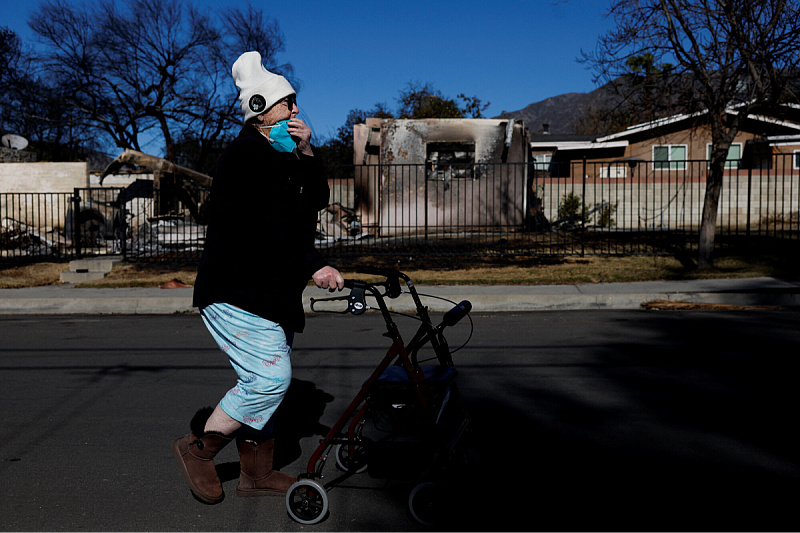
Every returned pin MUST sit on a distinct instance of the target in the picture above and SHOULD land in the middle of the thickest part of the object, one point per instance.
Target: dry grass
(665, 305)
(133, 275)
(594, 269)
(37, 274)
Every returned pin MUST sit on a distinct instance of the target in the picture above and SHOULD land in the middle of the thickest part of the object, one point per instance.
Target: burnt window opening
(451, 160)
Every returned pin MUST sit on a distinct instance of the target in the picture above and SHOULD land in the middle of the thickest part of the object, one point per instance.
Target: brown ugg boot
(195, 455)
(257, 478)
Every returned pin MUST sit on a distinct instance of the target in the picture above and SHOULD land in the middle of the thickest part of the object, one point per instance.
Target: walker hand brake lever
(356, 303)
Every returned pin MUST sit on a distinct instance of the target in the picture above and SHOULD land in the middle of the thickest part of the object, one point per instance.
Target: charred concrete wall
(43, 177)
(440, 174)
(47, 210)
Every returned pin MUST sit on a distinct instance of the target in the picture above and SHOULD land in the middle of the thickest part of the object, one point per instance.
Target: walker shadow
(298, 417)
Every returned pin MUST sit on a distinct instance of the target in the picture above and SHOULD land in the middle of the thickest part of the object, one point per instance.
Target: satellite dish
(15, 142)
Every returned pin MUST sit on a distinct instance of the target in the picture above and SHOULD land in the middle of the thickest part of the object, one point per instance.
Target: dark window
(452, 160)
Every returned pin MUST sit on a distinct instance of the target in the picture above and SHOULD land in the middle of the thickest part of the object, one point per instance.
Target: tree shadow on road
(687, 431)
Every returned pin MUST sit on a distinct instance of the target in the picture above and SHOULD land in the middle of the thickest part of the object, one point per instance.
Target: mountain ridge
(558, 114)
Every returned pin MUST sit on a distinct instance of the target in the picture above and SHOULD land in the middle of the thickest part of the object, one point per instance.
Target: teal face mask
(279, 137)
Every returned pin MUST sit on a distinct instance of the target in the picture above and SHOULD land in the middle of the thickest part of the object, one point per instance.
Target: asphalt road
(582, 420)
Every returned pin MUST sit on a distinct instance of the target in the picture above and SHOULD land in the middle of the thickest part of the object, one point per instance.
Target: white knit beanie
(259, 89)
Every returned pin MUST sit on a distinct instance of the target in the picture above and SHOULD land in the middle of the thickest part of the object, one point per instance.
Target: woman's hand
(329, 278)
(300, 130)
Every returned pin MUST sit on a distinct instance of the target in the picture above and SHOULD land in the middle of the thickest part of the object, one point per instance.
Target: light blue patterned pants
(259, 352)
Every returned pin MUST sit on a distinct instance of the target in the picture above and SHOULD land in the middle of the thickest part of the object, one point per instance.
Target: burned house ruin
(439, 175)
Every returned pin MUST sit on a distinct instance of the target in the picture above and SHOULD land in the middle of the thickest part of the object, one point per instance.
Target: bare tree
(10, 51)
(143, 71)
(732, 57)
(49, 124)
(642, 93)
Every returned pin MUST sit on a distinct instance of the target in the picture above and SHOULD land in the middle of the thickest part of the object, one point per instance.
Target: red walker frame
(307, 500)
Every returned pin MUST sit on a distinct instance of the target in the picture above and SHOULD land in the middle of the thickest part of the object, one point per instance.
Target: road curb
(66, 299)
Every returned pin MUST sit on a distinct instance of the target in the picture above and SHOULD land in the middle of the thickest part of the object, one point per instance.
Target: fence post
(428, 168)
(123, 228)
(749, 199)
(583, 208)
(76, 231)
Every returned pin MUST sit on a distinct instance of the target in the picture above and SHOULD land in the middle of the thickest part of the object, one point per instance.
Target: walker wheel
(422, 503)
(357, 463)
(307, 501)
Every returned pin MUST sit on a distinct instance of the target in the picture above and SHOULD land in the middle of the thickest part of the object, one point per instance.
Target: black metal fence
(557, 208)
(489, 210)
(137, 222)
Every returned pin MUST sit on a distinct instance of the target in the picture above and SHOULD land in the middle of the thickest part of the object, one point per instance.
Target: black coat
(259, 252)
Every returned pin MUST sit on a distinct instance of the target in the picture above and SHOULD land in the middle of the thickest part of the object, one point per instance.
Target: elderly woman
(259, 254)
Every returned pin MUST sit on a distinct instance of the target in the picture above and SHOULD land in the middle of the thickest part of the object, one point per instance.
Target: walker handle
(392, 276)
(356, 303)
(454, 315)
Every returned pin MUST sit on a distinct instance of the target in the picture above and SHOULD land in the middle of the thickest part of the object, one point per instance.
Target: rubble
(21, 239)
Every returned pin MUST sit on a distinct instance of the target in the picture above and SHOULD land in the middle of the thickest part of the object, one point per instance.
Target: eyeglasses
(290, 101)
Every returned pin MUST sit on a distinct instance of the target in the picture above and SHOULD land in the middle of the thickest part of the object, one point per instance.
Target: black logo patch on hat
(257, 103)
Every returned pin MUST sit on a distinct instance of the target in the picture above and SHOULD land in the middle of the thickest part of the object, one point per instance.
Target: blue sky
(351, 54)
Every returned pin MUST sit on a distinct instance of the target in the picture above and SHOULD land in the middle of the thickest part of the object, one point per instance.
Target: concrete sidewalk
(66, 299)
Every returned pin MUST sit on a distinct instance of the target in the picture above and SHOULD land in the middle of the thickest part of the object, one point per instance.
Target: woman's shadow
(297, 418)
